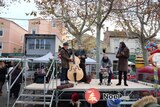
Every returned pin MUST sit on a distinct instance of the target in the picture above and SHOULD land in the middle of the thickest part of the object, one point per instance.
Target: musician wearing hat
(65, 59)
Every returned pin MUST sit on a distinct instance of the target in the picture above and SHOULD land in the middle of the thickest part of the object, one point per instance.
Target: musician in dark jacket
(105, 65)
(3, 72)
(65, 59)
(122, 55)
(82, 55)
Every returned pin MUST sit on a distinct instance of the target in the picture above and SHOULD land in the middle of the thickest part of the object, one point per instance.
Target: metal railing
(46, 87)
(10, 84)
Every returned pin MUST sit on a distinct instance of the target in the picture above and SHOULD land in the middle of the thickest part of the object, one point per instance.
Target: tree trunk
(142, 41)
(145, 54)
(79, 40)
(98, 35)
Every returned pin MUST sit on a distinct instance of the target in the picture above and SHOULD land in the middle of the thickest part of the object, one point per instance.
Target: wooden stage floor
(94, 84)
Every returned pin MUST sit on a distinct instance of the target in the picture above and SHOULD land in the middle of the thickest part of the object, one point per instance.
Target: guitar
(75, 73)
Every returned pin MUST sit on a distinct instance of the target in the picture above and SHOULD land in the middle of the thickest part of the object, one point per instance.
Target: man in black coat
(82, 55)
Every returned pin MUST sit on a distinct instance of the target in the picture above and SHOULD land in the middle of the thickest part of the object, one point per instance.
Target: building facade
(113, 38)
(53, 27)
(40, 44)
(11, 38)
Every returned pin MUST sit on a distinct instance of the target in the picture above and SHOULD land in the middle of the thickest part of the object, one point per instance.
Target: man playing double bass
(65, 59)
(82, 55)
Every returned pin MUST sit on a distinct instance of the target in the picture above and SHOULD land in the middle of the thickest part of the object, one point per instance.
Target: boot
(125, 79)
(119, 78)
(118, 84)
(125, 84)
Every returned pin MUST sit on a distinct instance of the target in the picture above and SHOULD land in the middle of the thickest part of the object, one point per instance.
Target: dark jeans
(64, 74)
(120, 76)
(109, 77)
(15, 90)
(1, 86)
(84, 79)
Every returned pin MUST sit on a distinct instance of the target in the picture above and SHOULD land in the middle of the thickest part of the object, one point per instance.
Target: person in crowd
(35, 77)
(82, 55)
(105, 68)
(113, 102)
(10, 66)
(75, 101)
(122, 55)
(65, 59)
(16, 87)
(3, 72)
(147, 101)
(43, 69)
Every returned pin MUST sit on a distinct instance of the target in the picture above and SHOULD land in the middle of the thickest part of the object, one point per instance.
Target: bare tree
(103, 10)
(77, 15)
(141, 18)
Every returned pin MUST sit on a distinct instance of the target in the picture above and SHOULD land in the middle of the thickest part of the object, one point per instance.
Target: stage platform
(128, 94)
(94, 84)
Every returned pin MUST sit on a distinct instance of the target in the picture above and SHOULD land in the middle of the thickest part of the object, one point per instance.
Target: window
(31, 43)
(1, 46)
(37, 43)
(53, 24)
(136, 41)
(116, 42)
(1, 32)
(48, 44)
(33, 31)
(42, 43)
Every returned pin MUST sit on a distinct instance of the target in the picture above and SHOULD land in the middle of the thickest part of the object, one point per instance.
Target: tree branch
(109, 10)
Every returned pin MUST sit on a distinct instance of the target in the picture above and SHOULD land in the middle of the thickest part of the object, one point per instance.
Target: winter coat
(15, 74)
(123, 55)
(65, 58)
(3, 72)
(107, 64)
(148, 101)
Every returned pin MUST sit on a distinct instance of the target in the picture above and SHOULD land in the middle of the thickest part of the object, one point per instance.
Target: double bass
(75, 73)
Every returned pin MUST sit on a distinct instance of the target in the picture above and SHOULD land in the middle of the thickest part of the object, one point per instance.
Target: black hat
(65, 44)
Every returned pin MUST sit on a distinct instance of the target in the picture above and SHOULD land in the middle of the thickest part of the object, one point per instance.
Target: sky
(17, 13)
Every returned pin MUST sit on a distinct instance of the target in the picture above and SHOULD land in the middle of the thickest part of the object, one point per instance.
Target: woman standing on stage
(122, 55)
(82, 55)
